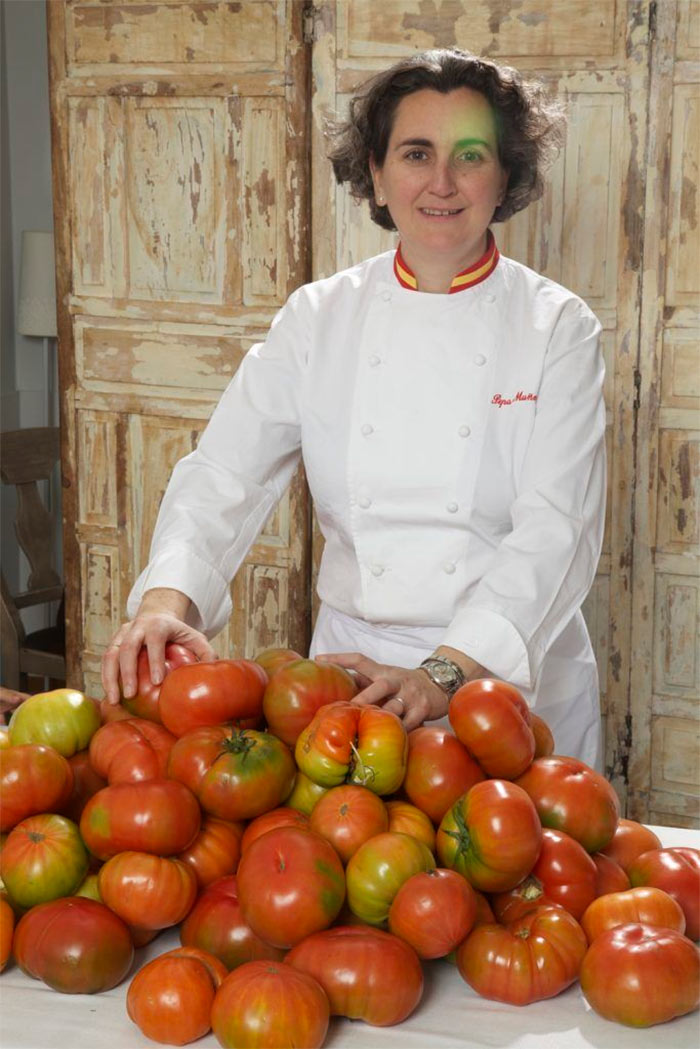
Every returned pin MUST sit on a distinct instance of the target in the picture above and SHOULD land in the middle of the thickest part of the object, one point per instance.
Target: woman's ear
(376, 181)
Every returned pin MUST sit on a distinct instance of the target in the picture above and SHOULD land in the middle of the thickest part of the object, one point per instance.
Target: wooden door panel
(180, 176)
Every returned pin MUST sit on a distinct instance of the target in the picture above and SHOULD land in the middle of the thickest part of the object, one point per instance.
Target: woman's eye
(416, 154)
(470, 156)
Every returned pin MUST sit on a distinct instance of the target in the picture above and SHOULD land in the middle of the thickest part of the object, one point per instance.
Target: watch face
(445, 675)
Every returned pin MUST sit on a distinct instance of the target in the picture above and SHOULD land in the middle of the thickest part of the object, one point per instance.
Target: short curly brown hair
(530, 125)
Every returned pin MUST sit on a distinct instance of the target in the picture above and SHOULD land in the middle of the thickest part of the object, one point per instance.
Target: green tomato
(63, 719)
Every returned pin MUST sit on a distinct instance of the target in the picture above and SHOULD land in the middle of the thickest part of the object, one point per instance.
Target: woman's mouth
(442, 213)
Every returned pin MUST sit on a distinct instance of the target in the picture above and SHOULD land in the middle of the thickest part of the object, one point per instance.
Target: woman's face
(441, 178)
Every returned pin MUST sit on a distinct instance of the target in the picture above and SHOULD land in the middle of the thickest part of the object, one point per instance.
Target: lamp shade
(36, 312)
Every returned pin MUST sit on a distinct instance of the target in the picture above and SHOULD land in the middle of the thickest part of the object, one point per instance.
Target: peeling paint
(436, 20)
(689, 203)
(683, 469)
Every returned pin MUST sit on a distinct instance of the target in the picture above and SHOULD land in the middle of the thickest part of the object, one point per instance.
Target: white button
(452, 508)
(374, 360)
(479, 360)
(464, 431)
(376, 570)
(386, 295)
(489, 298)
(366, 429)
(449, 567)
(364, 502)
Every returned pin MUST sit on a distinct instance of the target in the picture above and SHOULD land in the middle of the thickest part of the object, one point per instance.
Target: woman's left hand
(408, 693)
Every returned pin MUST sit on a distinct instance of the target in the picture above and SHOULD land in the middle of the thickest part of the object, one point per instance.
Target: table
(32, 1016)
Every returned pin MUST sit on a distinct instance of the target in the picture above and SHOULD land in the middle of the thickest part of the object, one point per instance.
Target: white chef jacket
(454, 448)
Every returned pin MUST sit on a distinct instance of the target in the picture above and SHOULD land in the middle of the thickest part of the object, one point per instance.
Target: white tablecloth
(32, 1016)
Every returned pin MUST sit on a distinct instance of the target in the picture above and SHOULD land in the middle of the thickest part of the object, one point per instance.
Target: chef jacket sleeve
(219, 497)
(544, 567)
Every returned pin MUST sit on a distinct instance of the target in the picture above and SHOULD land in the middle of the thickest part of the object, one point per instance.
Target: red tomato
(345, 743)
(75, 945)
(378, 869)
(128, 751)
(170, 999)
(439, 770)
(610, 877)
(145, 703)
(645, 904)
(305, 794)
(200, 694)
(33, 779)
(641, 975)
(492, 720)
(114, 712)
(216, 924)
(291, 883)
(677, 872)
(283, 816)
(564, 876)
(405, 818)
(158, 815)
(298, 690)
(630, 840)
(433, 911)
(42, 859)
(86, 783)
(491, 835)
(273, 659)
(215, 851)
(151, 892)
(7, 927)
(525, 961)
(544, 740)
(270, 1004)
(236, 775)
(347, 816)
(367, 974)
(571, 796)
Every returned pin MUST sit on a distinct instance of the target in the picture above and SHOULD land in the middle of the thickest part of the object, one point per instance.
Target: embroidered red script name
(501, 401)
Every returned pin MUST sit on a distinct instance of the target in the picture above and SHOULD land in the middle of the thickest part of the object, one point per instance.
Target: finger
(413, 719)
(128, 657)
(201, 648)
(110, 667)
(396, 706)
(351, 661)
(375, 693)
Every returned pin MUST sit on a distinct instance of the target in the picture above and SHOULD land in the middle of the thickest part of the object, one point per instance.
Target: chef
(447, 404)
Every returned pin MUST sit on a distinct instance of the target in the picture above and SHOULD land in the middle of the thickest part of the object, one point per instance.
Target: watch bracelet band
(427, 665)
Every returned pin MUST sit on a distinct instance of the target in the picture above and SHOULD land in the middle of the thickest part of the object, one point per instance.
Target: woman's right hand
(159, 620)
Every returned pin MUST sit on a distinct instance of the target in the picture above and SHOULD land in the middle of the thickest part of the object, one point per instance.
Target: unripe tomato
(63, 719)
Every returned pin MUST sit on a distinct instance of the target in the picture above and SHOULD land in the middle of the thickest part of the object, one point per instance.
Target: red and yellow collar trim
(479, 271)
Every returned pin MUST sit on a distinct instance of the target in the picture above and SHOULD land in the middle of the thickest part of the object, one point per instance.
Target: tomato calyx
(237, 743)
(358, 772)
(462, 835)
(531, 889)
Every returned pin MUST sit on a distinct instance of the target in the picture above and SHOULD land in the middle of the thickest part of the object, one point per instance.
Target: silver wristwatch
(446, 674)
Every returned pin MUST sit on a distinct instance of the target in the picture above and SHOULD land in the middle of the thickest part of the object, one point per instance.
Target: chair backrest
(26, 458)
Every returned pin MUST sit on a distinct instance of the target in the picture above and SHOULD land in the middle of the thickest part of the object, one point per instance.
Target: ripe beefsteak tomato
(298, 690)
(131, 750)
(235, 774)
(270, 1004)
(646, 904)
(273, 659)
(641, 975)
(144, 704)
(526, 960)
(43, 858)
(198, 694)
(34, 779)
(347, 816)
(150, 892)
(282, 816)
(405, 818)
(433, 911)
(610, 876)
(216, 924)
(630, 840)
(439, 770)
(291, 883)
(215, 851)
(564, 875)
(492, 720)
(492, 835)
(571, 796)
(378, 869)
(677, 872)
(170, 998)
(158, 815)
(367, 974)
(75, 945)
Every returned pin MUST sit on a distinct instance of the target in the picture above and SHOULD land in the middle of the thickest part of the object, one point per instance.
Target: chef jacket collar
(474, 274)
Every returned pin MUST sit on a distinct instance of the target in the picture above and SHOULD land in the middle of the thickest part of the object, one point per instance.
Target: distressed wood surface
(180, 146)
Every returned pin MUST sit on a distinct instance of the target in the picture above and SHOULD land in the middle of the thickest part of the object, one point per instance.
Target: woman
(448, 406)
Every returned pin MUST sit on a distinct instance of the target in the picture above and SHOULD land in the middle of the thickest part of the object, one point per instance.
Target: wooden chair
(27, 457)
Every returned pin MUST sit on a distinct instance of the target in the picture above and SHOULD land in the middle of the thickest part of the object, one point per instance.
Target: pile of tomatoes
(316, 856)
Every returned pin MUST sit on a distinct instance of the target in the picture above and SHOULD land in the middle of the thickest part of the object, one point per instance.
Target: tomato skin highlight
(640, 975)
(158, 815)
(197, 694)
(367, 974)
(265, 1004)
(492, 720)
(645, 904)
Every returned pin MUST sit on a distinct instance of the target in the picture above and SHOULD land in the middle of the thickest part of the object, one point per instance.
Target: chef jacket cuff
(492, 640)
(179, 569)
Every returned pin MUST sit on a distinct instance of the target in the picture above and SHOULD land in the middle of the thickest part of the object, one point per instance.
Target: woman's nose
(442, 180)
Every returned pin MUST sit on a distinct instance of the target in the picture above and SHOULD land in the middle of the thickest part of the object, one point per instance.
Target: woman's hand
(408, 693)
(9, 701)
(159, 620)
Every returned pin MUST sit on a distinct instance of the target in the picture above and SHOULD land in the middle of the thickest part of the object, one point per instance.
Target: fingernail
(156, 677)
(129, 689)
